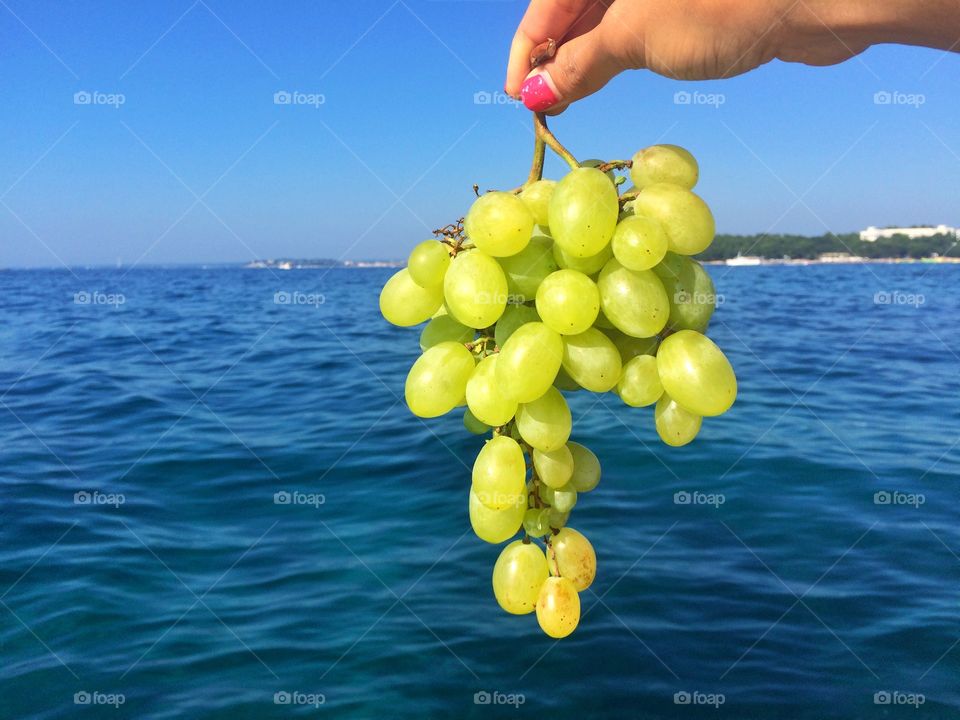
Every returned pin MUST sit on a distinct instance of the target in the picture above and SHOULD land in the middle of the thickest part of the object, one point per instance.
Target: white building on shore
(872, 234)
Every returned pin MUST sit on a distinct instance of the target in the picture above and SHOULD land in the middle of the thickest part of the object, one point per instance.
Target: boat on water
(745, 260)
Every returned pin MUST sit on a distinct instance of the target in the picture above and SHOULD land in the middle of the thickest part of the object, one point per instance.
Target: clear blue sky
(199, 165)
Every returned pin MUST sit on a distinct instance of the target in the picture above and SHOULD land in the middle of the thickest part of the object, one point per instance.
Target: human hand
(706, 39)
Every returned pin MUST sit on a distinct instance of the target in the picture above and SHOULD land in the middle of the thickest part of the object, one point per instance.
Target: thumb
(580, 68)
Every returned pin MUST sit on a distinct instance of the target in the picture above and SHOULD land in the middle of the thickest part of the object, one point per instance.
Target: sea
(215, 504)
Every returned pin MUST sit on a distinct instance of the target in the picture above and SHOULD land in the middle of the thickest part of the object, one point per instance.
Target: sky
(152, 133)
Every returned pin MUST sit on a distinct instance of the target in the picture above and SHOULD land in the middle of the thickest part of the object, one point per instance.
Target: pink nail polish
(537, 94)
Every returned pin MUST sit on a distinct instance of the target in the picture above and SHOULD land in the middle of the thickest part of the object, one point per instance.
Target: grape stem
(544, 134)
(615, 165)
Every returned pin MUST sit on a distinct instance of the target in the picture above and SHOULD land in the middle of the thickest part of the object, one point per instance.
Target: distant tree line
(775, 247)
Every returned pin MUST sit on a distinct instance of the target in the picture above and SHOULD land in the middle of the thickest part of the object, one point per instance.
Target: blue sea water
(799, 560)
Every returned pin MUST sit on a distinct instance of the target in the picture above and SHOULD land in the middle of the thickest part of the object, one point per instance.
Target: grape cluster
(558, 287)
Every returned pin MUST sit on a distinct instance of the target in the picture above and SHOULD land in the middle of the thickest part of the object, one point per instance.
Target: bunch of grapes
(557, 287)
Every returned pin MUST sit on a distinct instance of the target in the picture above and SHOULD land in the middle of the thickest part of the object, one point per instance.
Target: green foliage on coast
(775, 247)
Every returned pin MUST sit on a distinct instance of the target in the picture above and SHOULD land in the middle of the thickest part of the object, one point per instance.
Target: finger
(545, 19)
(580, 68)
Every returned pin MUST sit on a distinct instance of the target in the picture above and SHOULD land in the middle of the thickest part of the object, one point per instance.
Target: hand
(706, 39)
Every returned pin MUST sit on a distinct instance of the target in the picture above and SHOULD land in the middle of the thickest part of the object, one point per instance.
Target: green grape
(664, 163)
(568, 301)
(640, 384)
(475, 289)
(562, 499)
(473, 425)
(545, 423)
(586, 468)
(499, 223)
(690, 291)
(558, 607)
(499, 474)
(675, 426)
(587, 265)
(592, 360)
(630, 347)
(495, 526)
(696, 373)
(529, 361)
(554, 468)
(438, 379)
(634, 301)
(444, 328)
(513, 317)
(595, 163)
(537, 197)
(583, 212)
(527, 269)
(536, 522)
(404, 303)
(558, 519)
(484, 397)
(518, 575)
(685, 217)
(428, 263)
(571, 555)
(639, 243)
(564, 382)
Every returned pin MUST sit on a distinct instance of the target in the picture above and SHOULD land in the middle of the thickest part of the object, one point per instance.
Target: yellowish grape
(664, 163)
(639, 243)
(475, 289)
(586, 468)
(558, 607)
(675, 426)
(499, 473)
(696, 373)
(568, 301)
(630, 346)
(499, 223)
(583, 212)
(537, 197)
(571, 555)
(592, 360)
(536, 522)
(445, 328)
(404, 303)
(545, 423)
(484, 396)
(562, 499)
(438, 379)
(587, 265)
(529, 361)
(513, 317)
(634, 301)
(428, 263)
(554, 468)
(690, 291)
(527, 269)
(684, 216)
(639, 383)
(495, 526)
(518, 575)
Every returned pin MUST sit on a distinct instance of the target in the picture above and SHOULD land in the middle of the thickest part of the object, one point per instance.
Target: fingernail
(537, 93)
